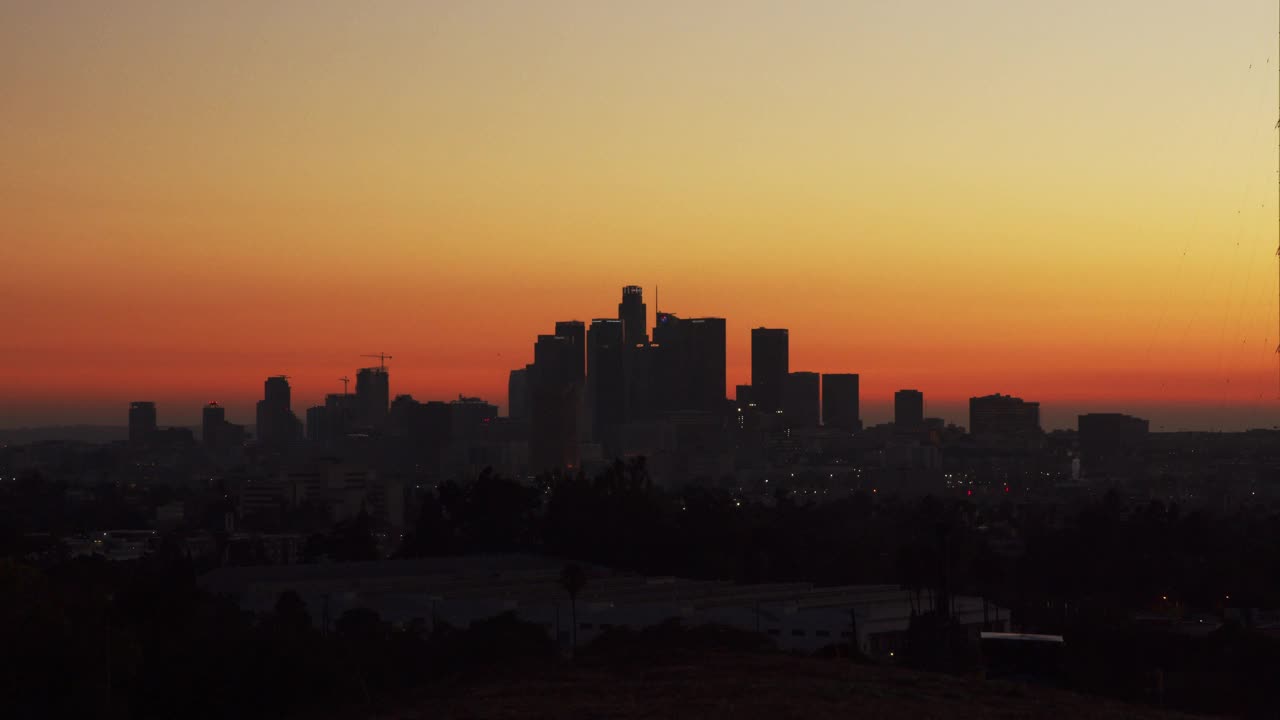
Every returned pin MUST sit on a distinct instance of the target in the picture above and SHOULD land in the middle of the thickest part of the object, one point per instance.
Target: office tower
(373, 397)
(634, 316)
(557, 390)
(908, 411)
(318, 432)
(769, 367)
(1003, 416)
(840, 402)
(576, 333)
(518, 394)
(1113, 444)
(742, 395)
(278, 427)
(690, 363)
(606, 390)
(802, 400)
(142, 422)
(212, 420)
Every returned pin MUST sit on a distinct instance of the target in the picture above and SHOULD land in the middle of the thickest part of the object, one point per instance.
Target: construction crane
(382, 359)
(345, 381)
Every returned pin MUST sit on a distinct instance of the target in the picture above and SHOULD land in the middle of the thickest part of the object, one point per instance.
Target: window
(774, 631)
(586, 626)
(823, 633)
(797, 633)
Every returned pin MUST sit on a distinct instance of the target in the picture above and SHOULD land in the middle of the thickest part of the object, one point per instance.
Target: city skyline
(799, 392)
(1073, 204)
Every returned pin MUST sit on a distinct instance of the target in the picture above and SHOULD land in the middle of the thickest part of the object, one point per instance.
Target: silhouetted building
(468, 419)
(908, 411)
(690, 363)
(641, 365)
(213, 426)
(606, 383)
(801, 402)
(840, 404)
(769, 367)
(742, 396)
(373, 397)
(318, 432)
(518, 394)
(634, 316)
(576, 333)
(401, 416)
(1002, 416)
(278, 427)
(1113, 444)
(557, 387)
(142, 422)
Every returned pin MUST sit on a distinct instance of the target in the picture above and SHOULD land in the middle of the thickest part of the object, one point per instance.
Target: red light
(968, 492)
(1006, 488)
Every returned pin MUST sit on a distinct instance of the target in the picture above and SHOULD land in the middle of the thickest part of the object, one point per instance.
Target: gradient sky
(1074, 202)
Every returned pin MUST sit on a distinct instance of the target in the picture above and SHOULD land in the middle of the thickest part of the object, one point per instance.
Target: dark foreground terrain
(723, 685)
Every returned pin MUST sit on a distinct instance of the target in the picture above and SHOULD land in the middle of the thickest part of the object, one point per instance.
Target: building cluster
(618, 388)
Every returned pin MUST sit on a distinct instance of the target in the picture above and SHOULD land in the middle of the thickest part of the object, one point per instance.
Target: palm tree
(572, 579)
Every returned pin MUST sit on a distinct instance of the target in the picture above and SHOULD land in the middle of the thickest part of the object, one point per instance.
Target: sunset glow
(1070, 202)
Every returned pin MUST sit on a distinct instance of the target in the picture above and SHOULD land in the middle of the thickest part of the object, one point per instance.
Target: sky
(1072, 202)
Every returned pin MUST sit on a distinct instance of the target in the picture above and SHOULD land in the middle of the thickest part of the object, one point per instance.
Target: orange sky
(1071, 202)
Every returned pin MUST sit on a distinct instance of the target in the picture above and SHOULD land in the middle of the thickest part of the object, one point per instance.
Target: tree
(573, 578)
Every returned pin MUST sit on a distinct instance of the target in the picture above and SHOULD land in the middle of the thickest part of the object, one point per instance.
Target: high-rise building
(840, 405)
(212, 420)
(690, 357)
(908, 411)
(802, 400)
(373, 397)
(769, 367)
(518, 394)
(278, 427)
(634, 316)
(576, 333)
(557, 389)
(742, 396)
(318, 432)
(606, 391)
(142, 422)
(1002, 416)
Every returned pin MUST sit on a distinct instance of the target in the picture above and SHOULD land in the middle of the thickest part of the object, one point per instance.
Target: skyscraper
(518, 394)
(606, 383)
(908, 411)
(142, 422)
(576, 333)
(212, 420)
(557, 389)
(801, 403)
(690, 357)
(373, 397)
(278, 427)
(634, 316)
(769, 367)
(840, 408)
